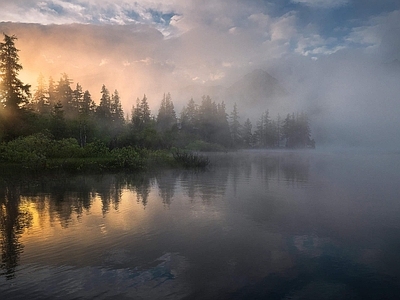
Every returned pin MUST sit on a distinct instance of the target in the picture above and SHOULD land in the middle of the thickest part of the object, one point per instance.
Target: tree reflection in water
(63, 198)
(13, 221)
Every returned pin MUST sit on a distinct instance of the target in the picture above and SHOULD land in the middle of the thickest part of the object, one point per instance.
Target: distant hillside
(256, 87)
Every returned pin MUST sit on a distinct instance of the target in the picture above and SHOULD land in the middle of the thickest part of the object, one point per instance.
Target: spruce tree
(235, 127)
(64, 94)
(166, 118)
(103, 111)
(247, 134)
(117, 113)
(40, 101)
(190, 119)
(13, 93)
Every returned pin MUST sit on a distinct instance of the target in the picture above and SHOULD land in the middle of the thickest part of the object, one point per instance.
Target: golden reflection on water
(274, 216)
(86, 226)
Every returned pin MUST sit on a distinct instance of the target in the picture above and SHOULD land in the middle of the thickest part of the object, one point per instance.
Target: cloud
(322, 3)
(88, 12)
(380, 34)
(337, 74)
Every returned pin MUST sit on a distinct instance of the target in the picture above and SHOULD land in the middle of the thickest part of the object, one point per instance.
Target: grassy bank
(39, 152)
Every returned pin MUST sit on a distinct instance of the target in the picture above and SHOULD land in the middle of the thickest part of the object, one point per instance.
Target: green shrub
(127, 157)
(65, 148)
(191, 160)
(30, 151)
(96, 149)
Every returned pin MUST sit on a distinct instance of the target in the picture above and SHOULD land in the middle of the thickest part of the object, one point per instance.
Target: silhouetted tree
(103, 111)
(296, 131)
(40, 102)
(13, 93)
(52, 92)
(117, 113)
(222, 133)
(64, 95)
(166, 118)
(77, 99)
(208, 115)
(189, 121)
(58, 126)
(247, 134)
(235, 127)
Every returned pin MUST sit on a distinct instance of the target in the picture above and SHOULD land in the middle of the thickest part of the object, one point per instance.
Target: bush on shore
(41, 152)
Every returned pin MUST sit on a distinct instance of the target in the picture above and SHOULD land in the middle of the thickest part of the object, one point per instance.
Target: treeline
(61, 110)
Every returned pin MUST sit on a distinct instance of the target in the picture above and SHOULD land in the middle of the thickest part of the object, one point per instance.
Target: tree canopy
(62, 111)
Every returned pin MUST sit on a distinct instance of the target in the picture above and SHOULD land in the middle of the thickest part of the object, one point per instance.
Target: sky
(338, 59)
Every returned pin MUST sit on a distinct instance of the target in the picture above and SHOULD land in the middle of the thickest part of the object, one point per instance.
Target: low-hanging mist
(349, 91)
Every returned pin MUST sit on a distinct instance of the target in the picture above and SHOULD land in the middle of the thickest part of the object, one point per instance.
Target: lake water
(256, 225)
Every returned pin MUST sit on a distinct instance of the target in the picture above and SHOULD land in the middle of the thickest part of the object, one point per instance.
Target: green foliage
(30, 151)
(96, 149)
(126, 158)
(13, 93)
(166, 118)
(191, 160)
(65, 148)
(81, 134)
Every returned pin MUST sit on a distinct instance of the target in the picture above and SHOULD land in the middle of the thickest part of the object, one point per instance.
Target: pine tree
(141, 114)
(58, 125)
(259, 134)
(208, 118)
(88, 106)
(190, 118)
(103, 111)
(235, 127)
(77, 99)
(145, 111)
(166, 118)
(247, 134)
(64, 95)
(222, 134)
(117, 112)
(40, 100)
(13, 93)
(136, 118)
(52, 92)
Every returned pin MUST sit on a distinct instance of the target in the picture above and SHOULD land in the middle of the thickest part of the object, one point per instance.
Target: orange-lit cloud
(151, 47)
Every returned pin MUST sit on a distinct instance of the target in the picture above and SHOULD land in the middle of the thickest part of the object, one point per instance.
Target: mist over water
(256, 225)
(351, 95)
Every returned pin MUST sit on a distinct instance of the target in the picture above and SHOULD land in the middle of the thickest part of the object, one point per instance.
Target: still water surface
(256, 225)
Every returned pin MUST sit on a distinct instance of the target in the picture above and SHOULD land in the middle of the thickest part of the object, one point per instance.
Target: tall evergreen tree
(166, 118)
(58, 126)
(52, 92)
(235, 127)
(117, 113)
(77, 99)
(136, 118)
(64, 95)
(222, 134)
(259, 134)
(247, 134)
(40, 101)
(88, 106)
(189, 121)
(208, 115)
(103, 111)
(13, 93)
(145, 111)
